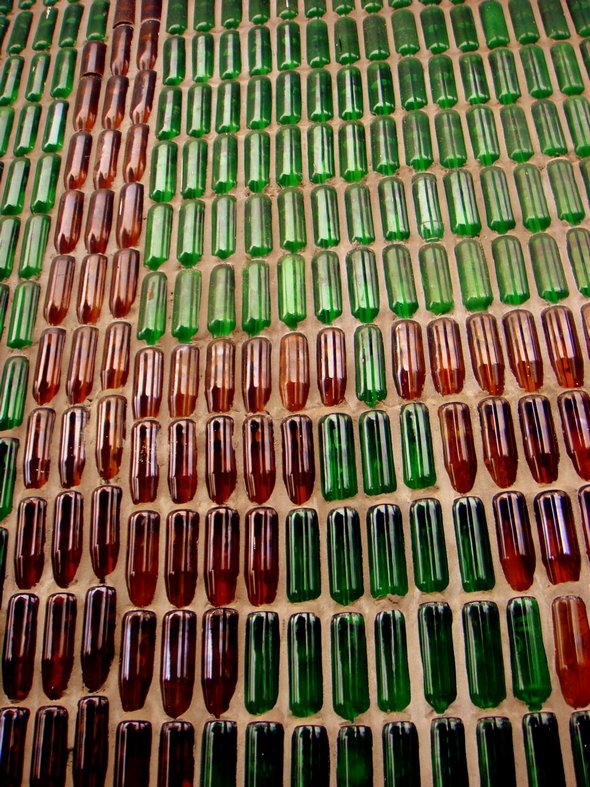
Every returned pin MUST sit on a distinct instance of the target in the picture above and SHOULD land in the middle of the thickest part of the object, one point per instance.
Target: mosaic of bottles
(294, 432)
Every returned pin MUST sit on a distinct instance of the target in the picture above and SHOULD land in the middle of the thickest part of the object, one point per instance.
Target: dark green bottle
(350, 682)
(337, 457)
(261, 665)
(495, 752)
(8, 451)
(304, 640)
(438, 659)
(401, 760)
(473, 545)
(219, 750)
(345, 559)
(391, 661)
(531, 683)
(376, 453)
(543, 750)
(483, 654)
(417, 454)
(449, 760)
(303, 555)
(264, 754)
(387, 556)
(310, 756)
(354, 761)
(429, 552)
(13, 392)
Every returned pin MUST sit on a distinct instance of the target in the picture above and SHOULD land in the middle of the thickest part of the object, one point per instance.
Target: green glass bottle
(327, 287)
(483, 654)
(405, 34)
(412, 86)
(310, 756)
(427, 207)
(6, 123)
(516, 133)
(10, 79)
(417, 454)
(221, 308)
(529, 187)
(547, 268)
(259, 102)
(27, 129)
(96, 25)
(227, 109)
(317, 44)
(363, 284)
(449, 135)
(578, 251)
(194, 168)
(429, 551)
(542, 747)
(399, 280)
(496, 195)
(443, 86)
(257, 160)
(13, 391)
(198, 116)
(369, 357)
(255, 297)
(464, 30)
(473, 77)
(326, 221)
(449, 760)
(493, 23)
(462, 203)
(495, 752)
(303, 555)
(8, 451)
(261, 662)
(34, 245)
(38, 74)
(353, 152)
(523, 21)
(55, 127)
(359, 214)
(223, 226)
(401, 760)
(568, 201)
(511, 272)
(258, 221)
(19, 34)
(45, 183)
(350, 683)
(292, 294)
(535, 71)
(305, 664)
(288, 98)
(9, 232)
(151, 323)
(23, 315)
(548, 127)
(174, 60)
(191, 228)
(186, 304)
(394, 210)
(579, 735)
(577, 114)
(202, 55)
(387, 557)
(259, 51)
(434, 29)
(483, 134)
(473, 545)
(350, 93)
(436, 279)
(157, 236)
(375, 38)
(62, 81)
(292, 229)
(219, 744)
(376, 453)
(438, 659)
(567, 70)
(163, 171)
(288, 159)
(531, 683)
(476, 289)
(345, 558)
(354, 756)
(337, 457)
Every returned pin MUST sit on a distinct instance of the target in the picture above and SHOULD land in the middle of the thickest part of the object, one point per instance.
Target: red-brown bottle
(142, 97)
(134, 158)
(560, 551)
(179, 652)
(574, 409)
(133, 750)
(66, 547)
(220, 458)
(182, 460)
(298, 458)
(524, 351)
(176, 758)
(572, 649)
(72, 453)
(121, 39)
(94, 54)
(456, 436)
(91, 742)
(331, 366)
(147, 44)
(220, 375)
(130, 215)
(20, 640)
(113, 108)
(69, 221)
(515, 541)
(47, 377)
(98, 635)
(261, 555)
(77, 160)
(59, 289)
(409, 368)
(151, 9)
(219, 659)
(38, 448)
(222, 555)
(447, 365)
(57, 659)
(143, 543)
(105, 515)
(259, 457)
(29, 550)
(49, 755)
(563, 346)
(500, 455)
(124, 13)
(13, 732)
(538, 438)
(294, 371)
(115, 355)
(485, 348)
(99, 221)
(584, 503)
(91, 286)
(86, 104)
(110, 435)
(124, 276)
(144, 472)
(136, 666)
(148, 377)
(107, 156)
(256, 373)
(80, 379)
(183, 385)
(182, 538)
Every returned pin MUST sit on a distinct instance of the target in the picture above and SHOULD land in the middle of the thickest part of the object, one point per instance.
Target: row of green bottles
(61, 81)
(362, 278)
(21, 26)
(350, 686)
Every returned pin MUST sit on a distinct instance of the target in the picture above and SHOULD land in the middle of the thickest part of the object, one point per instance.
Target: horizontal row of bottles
(559, 547)
(264, 752)
(292, 46)
(261, 653)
